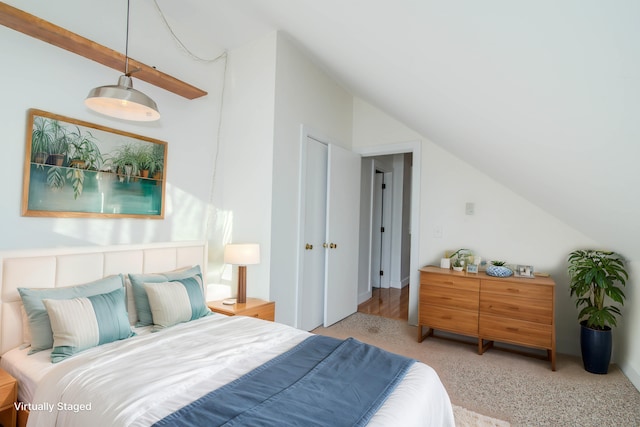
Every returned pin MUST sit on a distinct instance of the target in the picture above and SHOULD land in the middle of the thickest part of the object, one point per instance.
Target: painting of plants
(79, 169)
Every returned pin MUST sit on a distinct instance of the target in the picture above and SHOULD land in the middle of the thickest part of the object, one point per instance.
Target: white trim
(632, 374)
(414, 147)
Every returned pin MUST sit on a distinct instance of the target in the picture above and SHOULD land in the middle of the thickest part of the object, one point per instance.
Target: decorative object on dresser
(595, 274)
(8, 398)
(498, 269)
(242, 255)
(510, 310)
(460, 258)
(253, 307)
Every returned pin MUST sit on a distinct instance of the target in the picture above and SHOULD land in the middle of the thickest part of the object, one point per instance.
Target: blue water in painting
(103, 193)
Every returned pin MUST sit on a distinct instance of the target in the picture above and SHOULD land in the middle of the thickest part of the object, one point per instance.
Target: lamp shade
(242, 254)
(123, 102)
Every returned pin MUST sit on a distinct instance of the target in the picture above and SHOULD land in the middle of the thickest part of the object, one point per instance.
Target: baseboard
(632, 374)
(400, 284)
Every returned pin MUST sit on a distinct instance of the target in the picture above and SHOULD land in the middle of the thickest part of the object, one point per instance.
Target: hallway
(387, 302)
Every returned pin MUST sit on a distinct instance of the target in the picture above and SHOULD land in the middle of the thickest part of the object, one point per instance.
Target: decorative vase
(458, 268)
(498, 271)
(445, 263)
(596, 348)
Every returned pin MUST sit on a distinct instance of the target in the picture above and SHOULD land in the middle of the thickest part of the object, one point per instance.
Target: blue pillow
(41, 334)
(140, 294)
(82, 323)
(176, 301)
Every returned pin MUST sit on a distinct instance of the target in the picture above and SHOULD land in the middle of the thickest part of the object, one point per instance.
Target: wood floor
(387, 302)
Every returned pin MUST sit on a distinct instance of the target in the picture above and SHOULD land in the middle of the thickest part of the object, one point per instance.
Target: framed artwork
(78, 169)
(524, 271)
(472, 268)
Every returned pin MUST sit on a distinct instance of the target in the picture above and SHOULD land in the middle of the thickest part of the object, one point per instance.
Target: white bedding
(140, 380)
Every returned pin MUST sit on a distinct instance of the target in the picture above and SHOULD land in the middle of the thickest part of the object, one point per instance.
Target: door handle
(333, 246)
(324, 245)
(308, 247)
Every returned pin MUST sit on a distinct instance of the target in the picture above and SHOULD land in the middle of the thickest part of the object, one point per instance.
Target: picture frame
(472, 268)
(77, 169)
(524, 271)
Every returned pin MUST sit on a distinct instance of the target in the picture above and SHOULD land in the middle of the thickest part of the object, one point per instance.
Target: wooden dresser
(512, 310)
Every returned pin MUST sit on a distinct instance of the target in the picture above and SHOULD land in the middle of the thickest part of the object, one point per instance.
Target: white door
(343, 219)
(311, 287)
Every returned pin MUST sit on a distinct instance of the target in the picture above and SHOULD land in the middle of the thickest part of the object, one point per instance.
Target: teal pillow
(140, 294)
(176, 301)
(39, 324)
(82, 323)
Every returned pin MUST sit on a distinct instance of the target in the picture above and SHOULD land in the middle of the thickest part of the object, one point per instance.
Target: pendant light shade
(123, 102)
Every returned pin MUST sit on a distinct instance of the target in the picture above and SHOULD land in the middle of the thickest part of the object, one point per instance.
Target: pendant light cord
(126, 46)
(179, 42)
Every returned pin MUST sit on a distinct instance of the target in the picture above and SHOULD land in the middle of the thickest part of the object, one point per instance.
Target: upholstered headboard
(49, 268)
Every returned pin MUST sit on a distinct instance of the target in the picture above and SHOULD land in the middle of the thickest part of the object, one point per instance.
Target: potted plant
(42, 136)
(125, 162)
(83, 154)
(596, 275)
(459, 258)
(157, 162)
(144, 159)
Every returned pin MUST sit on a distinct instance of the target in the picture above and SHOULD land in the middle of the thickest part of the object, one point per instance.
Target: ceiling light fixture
(122, 100)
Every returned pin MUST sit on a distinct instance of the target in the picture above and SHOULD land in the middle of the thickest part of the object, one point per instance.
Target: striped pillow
(143, 311)
(39, 325)
(82, 323)
(176, 302)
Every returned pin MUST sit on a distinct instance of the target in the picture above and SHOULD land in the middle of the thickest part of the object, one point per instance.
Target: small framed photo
(472, 268)
(525, 271)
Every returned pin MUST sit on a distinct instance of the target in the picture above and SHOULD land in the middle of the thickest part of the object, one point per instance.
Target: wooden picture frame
(77, 169)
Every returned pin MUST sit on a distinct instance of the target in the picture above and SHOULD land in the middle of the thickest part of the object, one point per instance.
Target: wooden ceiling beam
(46, 31)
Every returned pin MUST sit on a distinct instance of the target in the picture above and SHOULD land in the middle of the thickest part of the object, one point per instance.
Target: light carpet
(506, 386)
(467, 418)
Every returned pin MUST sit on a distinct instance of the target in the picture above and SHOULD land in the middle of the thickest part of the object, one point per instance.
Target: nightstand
(254, 307)
(8, 398)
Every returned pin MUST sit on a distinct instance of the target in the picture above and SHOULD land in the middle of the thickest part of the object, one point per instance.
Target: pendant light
(122, 100)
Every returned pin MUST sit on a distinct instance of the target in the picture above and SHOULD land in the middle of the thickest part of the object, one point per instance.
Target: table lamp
(242, 255)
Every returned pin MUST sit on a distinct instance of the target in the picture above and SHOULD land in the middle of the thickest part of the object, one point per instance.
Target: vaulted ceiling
(542, 95)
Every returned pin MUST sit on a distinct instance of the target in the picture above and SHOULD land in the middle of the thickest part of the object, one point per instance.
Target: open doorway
(385, 235)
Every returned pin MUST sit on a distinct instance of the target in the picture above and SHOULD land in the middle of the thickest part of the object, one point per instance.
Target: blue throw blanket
(321, 382)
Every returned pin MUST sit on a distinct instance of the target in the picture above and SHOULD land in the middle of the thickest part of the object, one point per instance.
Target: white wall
(39, 75)
(304, 95)
(244, 184)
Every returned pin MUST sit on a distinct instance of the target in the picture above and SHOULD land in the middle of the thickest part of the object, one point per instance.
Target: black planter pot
(596, 349)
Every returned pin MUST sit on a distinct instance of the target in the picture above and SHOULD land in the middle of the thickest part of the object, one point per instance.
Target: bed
(163, 373)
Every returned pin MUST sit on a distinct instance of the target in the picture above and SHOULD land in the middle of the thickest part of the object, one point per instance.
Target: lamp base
(242, 284)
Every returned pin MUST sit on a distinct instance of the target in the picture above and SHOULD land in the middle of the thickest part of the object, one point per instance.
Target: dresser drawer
(515, 331)
(532, 310)
(449, 319)
(449, 281)
(453, 297)
(521, 289)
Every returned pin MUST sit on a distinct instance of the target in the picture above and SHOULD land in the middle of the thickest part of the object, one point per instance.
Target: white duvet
(140, 380)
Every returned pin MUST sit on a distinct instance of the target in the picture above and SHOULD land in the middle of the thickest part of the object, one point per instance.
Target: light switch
(470, 209)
